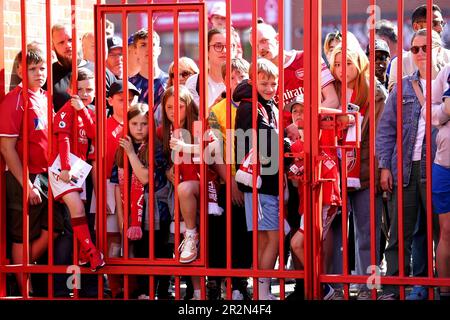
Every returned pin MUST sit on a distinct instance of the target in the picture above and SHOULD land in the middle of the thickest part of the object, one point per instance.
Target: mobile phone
(351, 107)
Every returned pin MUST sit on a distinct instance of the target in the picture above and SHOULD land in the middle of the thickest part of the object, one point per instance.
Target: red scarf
(137, 202)
(354, 155)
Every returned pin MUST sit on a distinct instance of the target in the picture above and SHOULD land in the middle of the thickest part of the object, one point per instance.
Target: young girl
(189, 187)
(75, 111)
(136, 147)
(358, 163)
(185, 153)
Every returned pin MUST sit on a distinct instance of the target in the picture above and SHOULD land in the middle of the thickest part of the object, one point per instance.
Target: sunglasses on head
(415, 49)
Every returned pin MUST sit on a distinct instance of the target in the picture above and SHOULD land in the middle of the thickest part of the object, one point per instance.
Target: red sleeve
(12, 115)
(63, 120)
(88, 122)
(64, 150)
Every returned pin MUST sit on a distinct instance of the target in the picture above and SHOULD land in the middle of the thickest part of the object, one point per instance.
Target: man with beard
(62, 69)
(382, 59)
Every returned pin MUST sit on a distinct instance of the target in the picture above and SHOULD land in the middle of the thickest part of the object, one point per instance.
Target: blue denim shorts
(441, 189)
(268, 211)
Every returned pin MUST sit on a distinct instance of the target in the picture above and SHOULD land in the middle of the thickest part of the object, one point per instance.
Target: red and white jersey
(63, 123)
(114, 131)
(294, 73)
(12, 121)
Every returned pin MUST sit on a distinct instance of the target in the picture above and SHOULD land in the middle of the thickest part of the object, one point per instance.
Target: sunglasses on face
(415, 49)
(183, 74)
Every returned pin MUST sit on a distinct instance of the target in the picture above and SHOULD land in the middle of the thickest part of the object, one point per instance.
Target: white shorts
(59, 188)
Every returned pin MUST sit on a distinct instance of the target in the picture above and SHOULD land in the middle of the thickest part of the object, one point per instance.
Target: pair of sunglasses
(415, 49)
(183, 74)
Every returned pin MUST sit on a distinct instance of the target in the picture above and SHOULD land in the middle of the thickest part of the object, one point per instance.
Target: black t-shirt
(61, 78)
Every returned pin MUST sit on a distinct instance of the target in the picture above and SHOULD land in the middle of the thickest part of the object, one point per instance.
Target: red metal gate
(313, 274)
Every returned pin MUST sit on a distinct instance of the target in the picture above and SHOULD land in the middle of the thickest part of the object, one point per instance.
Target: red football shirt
(113, 133)
(293, 81)
(63, 124)
(12, 121)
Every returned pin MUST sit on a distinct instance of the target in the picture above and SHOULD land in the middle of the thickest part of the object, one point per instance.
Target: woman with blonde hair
(186, 68)
(358, 163)
(332, 40)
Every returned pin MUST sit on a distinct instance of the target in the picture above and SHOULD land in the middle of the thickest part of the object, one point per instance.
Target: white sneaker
(237, 295)
(188, 248)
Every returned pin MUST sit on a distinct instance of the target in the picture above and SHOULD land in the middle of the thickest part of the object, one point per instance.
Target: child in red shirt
(329, 170)
(75, 111)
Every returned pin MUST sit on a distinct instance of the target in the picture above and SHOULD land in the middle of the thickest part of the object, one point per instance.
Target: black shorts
(38, 214)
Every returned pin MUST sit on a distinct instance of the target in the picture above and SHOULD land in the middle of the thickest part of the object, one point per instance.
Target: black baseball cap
(117, 87)
(380, 45)
(114, 42)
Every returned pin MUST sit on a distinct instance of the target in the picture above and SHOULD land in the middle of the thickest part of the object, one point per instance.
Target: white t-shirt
(417, 153)
(214, 89)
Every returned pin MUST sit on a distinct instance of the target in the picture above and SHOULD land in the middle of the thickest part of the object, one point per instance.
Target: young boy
(11, 141)
(75, 111)
(267, 128)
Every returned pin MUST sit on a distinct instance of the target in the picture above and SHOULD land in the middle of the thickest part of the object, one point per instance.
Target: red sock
(81, 230)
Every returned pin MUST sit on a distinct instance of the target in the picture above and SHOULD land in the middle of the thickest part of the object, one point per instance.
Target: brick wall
(36, 24)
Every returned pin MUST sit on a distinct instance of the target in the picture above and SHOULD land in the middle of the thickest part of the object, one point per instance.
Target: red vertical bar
(401, 245)
(202, 288)
(310, 251)
(373, 191)
(281, 142)
(100, 146)
(203, 107)
(151, 166)
(175, 128)
(126, 290)
(315, 97)
(429, 160)
(152, 286)
(204, 111)
(177, 287)
(25, 172)
(48, 16)
(126, 169)
(73, 144)
(151, 136)
(228, 152)
(177, 110)
(2, 167)
(254, 161)
(344, 151)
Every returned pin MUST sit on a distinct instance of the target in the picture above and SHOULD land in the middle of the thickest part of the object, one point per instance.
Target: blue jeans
(359, 205)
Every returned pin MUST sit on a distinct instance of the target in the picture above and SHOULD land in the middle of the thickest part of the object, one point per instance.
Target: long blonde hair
(361, 62)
